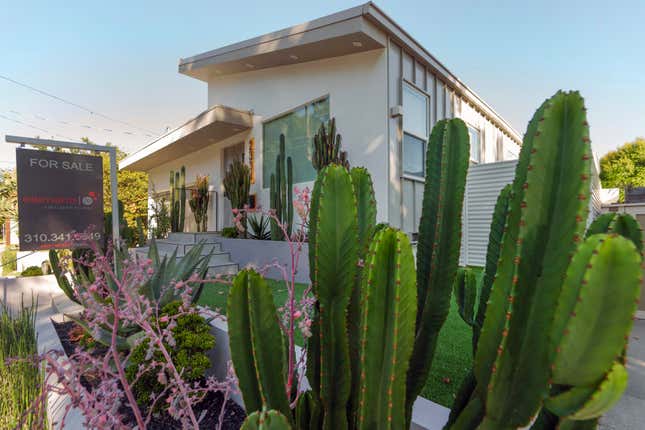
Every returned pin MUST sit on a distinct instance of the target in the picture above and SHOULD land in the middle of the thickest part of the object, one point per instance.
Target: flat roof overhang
(342, 33)
(330, 36)
(207, 128)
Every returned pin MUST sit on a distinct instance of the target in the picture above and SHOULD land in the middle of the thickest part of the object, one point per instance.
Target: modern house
(385, 90)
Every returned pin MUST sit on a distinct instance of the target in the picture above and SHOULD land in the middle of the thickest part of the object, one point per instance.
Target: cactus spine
(281, 193)
(327, 147)
(177, 200)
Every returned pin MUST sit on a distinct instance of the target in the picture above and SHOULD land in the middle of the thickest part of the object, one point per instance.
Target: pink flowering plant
(295, 315)
(98, 383)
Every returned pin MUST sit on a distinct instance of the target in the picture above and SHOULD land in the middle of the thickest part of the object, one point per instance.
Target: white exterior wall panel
(483, 184)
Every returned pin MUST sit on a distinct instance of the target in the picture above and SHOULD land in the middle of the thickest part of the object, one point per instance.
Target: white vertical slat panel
(408, 205)
(483, 184)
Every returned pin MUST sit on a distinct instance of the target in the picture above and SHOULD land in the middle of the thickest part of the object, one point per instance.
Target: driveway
(629, 413)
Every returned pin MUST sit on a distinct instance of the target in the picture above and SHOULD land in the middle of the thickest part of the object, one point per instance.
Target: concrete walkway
(629, 413)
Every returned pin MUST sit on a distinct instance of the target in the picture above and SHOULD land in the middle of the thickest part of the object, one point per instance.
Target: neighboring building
(385, 90)
(634, 205)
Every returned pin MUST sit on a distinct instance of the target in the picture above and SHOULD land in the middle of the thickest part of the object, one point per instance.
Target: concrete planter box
(52, 304)
(262, 252)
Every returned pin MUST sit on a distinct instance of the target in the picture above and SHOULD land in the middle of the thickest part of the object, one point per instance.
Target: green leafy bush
(193, 339)
(32, 271)
(9, 261)
(230, 232)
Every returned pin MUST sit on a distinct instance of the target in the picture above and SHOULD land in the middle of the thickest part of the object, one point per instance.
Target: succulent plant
(618, 223)
(541, 336)
(281, 193)
(177, 200)
(158, 288)
(326, 149)
(198, 202)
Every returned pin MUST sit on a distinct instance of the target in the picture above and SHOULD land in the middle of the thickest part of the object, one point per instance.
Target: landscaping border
(53, 304)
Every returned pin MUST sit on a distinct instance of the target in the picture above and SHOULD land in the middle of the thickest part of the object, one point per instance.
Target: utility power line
(71, 103)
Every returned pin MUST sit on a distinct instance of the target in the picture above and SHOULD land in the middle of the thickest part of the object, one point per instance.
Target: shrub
(230, 232)
(32, 271)
(192, 339)
(9, 264)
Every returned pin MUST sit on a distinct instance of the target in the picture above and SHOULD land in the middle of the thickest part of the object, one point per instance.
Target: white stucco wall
(357, 90)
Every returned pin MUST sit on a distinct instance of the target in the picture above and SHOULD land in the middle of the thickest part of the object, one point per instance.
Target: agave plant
(166, 271)
(260, 227)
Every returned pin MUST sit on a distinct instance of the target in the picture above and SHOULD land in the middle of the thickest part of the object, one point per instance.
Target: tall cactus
(542, 335)
(326, 149)
(439, 243)
(281, 193)
(256, 344)
(177, 199)
(237, 187)
(547, 215)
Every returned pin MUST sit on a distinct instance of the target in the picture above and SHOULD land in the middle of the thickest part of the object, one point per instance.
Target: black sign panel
(60, 199)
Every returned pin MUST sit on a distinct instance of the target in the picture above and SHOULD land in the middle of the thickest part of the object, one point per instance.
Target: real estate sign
(60, 199)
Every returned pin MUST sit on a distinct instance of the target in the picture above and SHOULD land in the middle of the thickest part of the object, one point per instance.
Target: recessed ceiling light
(249, 65)
(293, 57)
(357, 44)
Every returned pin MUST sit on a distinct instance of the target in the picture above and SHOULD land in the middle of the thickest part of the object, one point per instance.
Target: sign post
(77, 208)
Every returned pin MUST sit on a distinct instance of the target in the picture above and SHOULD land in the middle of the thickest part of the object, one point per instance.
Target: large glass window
(475, 144)
(299, 127)
(416, 116)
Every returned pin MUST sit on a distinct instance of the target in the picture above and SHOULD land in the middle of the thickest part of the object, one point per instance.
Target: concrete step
(192, 237)
(167, 247)
(223, 269)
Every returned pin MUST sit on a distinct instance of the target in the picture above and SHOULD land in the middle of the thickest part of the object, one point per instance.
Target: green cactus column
(546, 221)
(439, 243)
(388, 298)
(256, 344)
(366, 216)
(335, 257)
(182, 198)
(281, 192)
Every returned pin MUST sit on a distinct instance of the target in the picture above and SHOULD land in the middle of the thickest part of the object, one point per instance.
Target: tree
(8, 195)
(624, 167)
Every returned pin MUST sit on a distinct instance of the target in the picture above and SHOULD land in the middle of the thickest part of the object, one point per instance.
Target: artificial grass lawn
(452, 360)
(453, 357)
(215, 295)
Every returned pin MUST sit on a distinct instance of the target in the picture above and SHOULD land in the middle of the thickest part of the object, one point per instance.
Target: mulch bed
(210, 407)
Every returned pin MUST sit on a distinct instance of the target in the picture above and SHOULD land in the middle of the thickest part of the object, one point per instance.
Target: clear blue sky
(120, 59)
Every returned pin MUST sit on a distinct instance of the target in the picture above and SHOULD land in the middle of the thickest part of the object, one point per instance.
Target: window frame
(405, 82)
(291, 110)
(480, 145)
